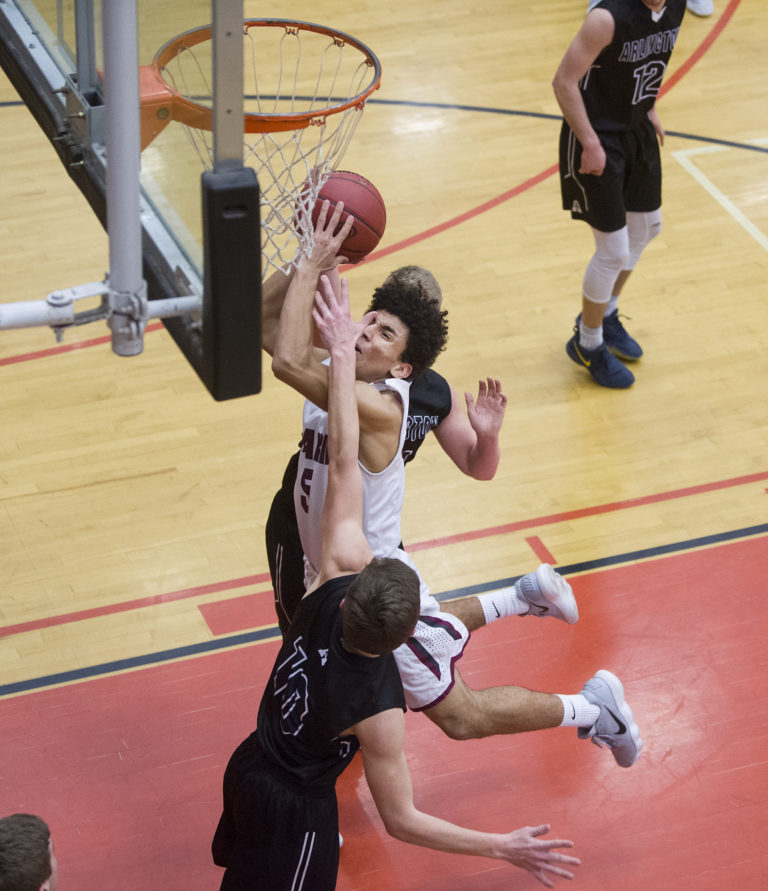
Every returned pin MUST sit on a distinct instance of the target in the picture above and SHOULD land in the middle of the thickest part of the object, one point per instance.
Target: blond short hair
(417, 276)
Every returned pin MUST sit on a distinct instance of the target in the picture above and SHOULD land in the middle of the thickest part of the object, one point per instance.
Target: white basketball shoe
(548, 594)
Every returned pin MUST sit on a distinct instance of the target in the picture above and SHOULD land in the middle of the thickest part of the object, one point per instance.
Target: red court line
(454, 221)
(69, 347)
(716, 31)
(472, 535)
(463, 217)
(239, 613)
(610, 507)
(127, 605)
(541, 550)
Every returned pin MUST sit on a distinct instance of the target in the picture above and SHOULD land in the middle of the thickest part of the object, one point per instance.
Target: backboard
(193, 252)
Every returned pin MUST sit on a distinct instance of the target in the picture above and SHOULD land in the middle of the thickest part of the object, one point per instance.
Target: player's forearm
(475, 455)
(293, 342)
(343, 424)
(483, 458)
(422, 829)
(273, 293)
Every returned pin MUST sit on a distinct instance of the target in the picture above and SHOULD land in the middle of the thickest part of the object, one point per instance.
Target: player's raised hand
(337, 329)
(487, 413)
(329, 235)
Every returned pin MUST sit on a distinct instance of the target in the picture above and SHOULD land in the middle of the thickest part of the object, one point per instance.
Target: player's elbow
(560, 86)
(483, 474)
(399, 825)
(284, 368)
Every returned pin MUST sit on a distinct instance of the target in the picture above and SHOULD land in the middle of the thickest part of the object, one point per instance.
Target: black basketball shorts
(631, 179)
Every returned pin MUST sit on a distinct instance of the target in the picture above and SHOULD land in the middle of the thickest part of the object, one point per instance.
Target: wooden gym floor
(136, 627)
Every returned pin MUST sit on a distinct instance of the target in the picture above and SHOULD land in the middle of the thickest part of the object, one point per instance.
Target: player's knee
(460, 723)
(611, 255)
(458, 728)
(642, 229)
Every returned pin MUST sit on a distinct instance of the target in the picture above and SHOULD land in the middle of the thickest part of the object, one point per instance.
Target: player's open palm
(538, 856)
(335, 325)
(487, 412)
(329, 235)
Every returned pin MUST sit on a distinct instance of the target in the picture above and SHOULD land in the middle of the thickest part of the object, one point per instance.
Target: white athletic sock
(578, 711)
(590, 338)
(613, 305)
(502, 603)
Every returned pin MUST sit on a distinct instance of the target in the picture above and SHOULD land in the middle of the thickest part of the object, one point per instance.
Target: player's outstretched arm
(344, 547)
(388, 777)
(294, 361)
(471, 440)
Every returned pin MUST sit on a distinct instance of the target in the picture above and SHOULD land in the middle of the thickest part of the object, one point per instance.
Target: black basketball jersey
(318, 689)
(621, 86)
(429, 404)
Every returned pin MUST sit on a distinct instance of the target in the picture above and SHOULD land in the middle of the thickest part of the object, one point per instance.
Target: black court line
(512, 112)
(271, 632)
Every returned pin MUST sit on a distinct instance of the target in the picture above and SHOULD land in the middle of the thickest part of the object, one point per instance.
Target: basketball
(361, 199)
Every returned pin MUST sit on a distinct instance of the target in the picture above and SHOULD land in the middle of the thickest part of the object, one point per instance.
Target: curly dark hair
(427, 324)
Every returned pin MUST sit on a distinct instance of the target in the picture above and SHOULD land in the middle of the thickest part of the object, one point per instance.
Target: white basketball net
(290, 69)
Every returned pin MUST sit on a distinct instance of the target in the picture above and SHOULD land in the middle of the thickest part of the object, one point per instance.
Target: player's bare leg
(471, 714)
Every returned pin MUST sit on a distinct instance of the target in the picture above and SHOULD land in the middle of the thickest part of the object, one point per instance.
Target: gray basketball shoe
(548, 594)
(615, 728)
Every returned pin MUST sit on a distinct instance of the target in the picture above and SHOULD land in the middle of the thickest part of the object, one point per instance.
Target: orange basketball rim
(337, 71)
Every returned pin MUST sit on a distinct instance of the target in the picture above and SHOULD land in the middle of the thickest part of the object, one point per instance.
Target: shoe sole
(558, 592)
(620, 355)
(617, 689)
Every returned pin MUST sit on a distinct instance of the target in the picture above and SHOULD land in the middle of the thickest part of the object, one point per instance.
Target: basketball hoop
(305, 87)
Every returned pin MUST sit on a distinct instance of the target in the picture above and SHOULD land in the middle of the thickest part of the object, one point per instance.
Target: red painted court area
(128, 768)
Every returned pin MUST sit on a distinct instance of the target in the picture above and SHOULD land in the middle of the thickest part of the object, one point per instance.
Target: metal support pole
(87, 77)
(228, 100)
(128, 292)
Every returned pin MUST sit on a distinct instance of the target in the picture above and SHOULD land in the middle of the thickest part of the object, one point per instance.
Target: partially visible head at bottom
(381, 607)
(27, 860)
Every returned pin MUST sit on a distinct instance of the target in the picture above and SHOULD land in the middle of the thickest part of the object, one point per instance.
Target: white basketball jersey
(383, 492)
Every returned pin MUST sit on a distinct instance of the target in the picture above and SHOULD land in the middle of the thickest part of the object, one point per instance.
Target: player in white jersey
(470, 440)
(383, 490)
(385, 350)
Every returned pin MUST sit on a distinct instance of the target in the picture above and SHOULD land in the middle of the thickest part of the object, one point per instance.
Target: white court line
(682, 158)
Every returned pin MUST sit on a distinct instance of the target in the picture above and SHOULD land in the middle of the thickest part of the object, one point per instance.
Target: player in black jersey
(335, 688)
(610, 164)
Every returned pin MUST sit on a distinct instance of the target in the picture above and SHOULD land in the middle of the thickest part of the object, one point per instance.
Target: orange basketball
(361, 199)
